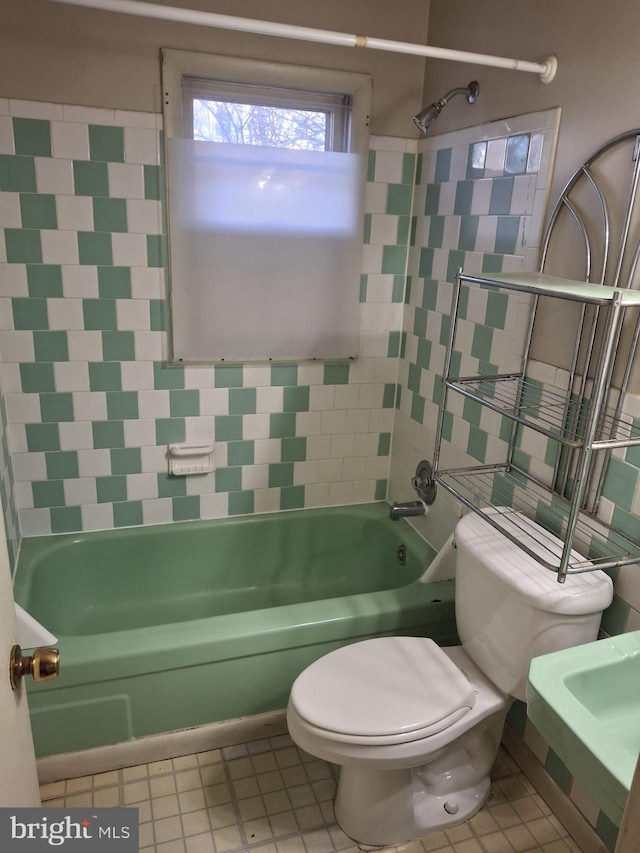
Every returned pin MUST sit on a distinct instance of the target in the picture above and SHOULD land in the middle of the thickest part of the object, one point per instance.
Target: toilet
(415, 728)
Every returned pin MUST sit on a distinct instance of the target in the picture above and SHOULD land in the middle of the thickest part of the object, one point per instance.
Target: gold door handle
(43, 665)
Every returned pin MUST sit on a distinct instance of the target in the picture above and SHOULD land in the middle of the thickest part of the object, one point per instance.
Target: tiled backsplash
(91, 402)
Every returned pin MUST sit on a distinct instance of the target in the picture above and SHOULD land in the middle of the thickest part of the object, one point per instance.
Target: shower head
(428, 115)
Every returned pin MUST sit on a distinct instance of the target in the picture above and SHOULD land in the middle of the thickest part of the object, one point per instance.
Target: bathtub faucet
(407, 509)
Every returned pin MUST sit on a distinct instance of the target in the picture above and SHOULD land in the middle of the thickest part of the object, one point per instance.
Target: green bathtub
(172, 626)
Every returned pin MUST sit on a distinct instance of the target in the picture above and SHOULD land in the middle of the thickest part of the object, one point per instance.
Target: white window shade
(265, 248)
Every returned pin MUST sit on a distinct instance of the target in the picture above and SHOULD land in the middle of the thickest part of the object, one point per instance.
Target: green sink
(585, 702)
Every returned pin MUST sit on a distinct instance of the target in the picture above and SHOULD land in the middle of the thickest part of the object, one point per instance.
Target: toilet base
(380, 808)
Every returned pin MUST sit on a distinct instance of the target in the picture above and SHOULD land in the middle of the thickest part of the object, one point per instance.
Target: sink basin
(585, 702)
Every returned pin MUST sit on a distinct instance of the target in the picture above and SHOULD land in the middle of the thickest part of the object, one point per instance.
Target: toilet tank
(509, 608)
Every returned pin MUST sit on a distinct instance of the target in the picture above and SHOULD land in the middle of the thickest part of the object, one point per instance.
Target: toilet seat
(384, 691)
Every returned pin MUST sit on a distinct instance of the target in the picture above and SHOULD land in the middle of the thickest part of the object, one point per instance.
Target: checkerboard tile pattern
(269, 797)
(89, 400)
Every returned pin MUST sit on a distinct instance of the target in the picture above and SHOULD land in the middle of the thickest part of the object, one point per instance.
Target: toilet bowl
(415, 728)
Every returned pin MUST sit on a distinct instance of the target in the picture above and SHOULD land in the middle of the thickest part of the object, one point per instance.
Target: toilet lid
(381, 687)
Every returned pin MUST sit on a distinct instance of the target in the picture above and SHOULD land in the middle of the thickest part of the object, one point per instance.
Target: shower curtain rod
(546, 69)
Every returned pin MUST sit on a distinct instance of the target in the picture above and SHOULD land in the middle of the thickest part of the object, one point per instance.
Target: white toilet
(416, 728)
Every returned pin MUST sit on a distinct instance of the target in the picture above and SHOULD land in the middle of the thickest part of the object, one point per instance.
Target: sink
(585, 702)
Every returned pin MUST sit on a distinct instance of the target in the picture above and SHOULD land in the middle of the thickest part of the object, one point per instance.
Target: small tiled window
(265, 177)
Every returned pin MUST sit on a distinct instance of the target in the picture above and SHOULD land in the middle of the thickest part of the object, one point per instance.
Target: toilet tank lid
(581, 593)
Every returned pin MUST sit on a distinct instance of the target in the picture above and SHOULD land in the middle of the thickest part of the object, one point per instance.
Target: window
(265, 176)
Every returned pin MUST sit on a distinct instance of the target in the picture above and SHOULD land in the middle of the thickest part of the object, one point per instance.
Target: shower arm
(546, 70)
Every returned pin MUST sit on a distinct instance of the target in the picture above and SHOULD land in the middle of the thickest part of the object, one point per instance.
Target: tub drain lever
(43, 665)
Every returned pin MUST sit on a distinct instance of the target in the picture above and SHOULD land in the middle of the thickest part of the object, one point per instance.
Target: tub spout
(407, 509)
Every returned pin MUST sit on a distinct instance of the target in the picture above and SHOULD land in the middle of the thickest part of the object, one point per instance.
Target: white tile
(59, 247)
(84, 346)
(76, 435)
(10, 379)
(71, 376)
(137, 375)
(256, 426)
(97, 516)
(90, 405)
(126, 180)
(70, 140)
(35, 522)
(79, 491)
(88, 115)
(141, 145)
(54, 176)
(144, 216)
(65, 313)
(158, 511)
(150, 346)
(154, 404)
(29, 466)
(129, 250)
(10, 214)
(133, 314)
(80, 281)
(75, 213)
(34, 109)
(147, 282)
(138, 433)
(13, 280)
(94, 463)
(132, 118)
(23, 408)
(6, 135)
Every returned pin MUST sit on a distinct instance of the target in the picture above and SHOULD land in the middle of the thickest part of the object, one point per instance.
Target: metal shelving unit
(581, 422)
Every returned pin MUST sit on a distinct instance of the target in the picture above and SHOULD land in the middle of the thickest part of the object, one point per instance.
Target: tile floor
(269, 797)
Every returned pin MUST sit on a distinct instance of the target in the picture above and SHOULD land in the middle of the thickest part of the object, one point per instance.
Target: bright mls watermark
(79, 830)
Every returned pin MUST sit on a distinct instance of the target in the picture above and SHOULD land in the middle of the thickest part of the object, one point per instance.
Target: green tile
(517, 153)
(296, 399)
(393, 346)
(280, 474)
(608, 831)
(126, 460)
(111, 489)
(110, 214)
(282, 424)
(394, 260)
(507, 235)
(482, 341)
(38, 211)
(228, 427)
(420, 322)
(29, 313)
(42, 437)
(186, 508)
(476, 158)
(468, 233)
(44, 280)
(170, 486)
(381, 490)
(436, 231)
(294, 449)
(167, 377)
(364, 282)
(615, 617)
(17, 174)
(371, 166)
(477, 443)
(156, 253)
(425, 265)
(50, 346)
(170, 430)
(240, 453)
(105, 376)
(423, 355)
(32, 136)
(106, 143)
(228, 376)
(292, 497)
(432, 201)
(242, 401)
(228, 479)
(184, 404)
(36, 377)
(398, 290)
(620, 483)
(128, 514)
(66, 519)
(366, 229)
(399, 197)
(558, 772)
(114, 282)
(99, 314)
(492, 263)
(472, 411)
(62, 465)
(417, 408)
(501, 195)
(23, 246)
(122, 405)
(408, 168)
(418, 175)
(241, 503)
(443, 165)
(47, 493)
(90, 179)
(158, 315)
(389, 396)
(384, 444)
(108, 434)
(463, 198)
(336, 374)
(94, 248)
(56, 407)
(118, 346)
(414, 377)
(496, 314)
(284, 374)
(152, 183)
(517, 717)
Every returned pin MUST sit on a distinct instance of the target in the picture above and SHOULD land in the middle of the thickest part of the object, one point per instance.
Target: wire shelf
(496, 493)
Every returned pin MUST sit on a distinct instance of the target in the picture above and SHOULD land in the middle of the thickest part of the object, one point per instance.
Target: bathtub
(173, 626)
